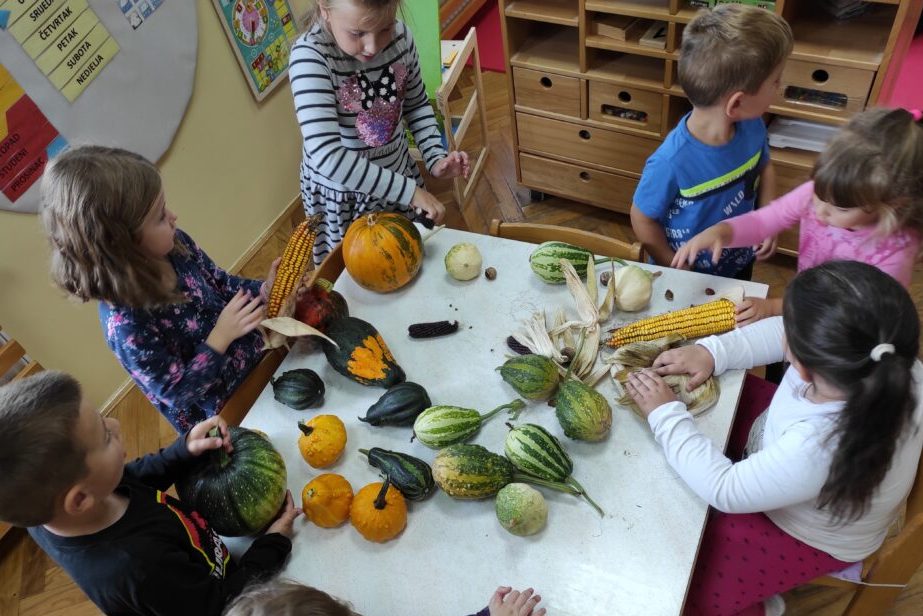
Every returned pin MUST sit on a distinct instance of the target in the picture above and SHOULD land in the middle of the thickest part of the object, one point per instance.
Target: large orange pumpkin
(382, 251)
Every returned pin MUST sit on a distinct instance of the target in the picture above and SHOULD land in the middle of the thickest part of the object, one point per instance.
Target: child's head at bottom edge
(60, 457)
(279, 597)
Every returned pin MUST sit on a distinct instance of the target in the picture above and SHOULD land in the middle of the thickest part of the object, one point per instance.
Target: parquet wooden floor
(30, 585)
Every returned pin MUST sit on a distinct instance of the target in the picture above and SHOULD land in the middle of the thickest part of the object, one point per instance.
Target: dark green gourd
(398, 406)
(412, 476)
(298, 388)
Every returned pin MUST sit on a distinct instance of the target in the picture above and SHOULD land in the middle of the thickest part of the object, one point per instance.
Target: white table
(636, 560)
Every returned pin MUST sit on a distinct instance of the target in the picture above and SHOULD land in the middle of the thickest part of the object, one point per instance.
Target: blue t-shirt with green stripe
(689, 186)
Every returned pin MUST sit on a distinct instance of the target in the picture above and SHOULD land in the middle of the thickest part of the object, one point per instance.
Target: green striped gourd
(471, 471)
(412, 476)
(582, 411)
(534, 450)
(534, 377)
(468, 472)
(440, 426)
(545, 260)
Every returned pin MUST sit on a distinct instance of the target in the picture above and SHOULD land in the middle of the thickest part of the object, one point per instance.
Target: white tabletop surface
(453, 554)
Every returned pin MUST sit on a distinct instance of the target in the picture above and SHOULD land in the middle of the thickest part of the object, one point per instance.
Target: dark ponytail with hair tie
(858, 329)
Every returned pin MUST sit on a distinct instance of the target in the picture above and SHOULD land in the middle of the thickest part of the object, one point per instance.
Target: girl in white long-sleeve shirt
(833, 457)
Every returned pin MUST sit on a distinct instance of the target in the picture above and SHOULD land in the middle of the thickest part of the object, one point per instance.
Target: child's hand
(648, 390)
(239, 317)
(753, 309)
(714, 238)
(766, 248)
(508, 602)
(266, 289)
(283, 523)
(426, 202)
(453, 165)
(198, 441)
(693, 359)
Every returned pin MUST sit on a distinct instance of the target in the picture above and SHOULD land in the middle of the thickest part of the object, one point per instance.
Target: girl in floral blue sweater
(183, 328)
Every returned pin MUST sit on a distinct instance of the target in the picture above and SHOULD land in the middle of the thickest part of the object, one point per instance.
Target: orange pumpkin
(326, 500)
(382, 251)
(379, 512)
(322, 440)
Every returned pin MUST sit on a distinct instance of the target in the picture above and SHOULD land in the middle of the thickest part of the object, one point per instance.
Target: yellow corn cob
(711, 318)
(294, 260)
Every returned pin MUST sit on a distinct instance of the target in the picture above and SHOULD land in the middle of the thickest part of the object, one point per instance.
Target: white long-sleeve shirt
(784, 477)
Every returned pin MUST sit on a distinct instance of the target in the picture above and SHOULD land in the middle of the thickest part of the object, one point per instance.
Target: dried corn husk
(642, 354)
(536, 338)
(608, 304)
(584, 361)
(697, 401)
(277, 330)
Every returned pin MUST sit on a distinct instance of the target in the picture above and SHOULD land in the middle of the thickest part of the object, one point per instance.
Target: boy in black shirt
(131, 548)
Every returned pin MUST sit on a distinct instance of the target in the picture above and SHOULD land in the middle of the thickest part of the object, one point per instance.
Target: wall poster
(261, 33)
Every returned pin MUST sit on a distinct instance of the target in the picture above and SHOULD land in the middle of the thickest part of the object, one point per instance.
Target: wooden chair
(12, 358)
(893, 564)
(238, 405)
(457, 126)
(599, 245)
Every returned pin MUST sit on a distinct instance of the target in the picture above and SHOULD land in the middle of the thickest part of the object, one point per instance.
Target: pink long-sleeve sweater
(817, 243)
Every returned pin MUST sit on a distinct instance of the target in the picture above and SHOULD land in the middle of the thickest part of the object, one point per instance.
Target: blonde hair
(286, 598)
(731, 48)
(875, 162)
(95, 200)
(40, 455)
(376, 10)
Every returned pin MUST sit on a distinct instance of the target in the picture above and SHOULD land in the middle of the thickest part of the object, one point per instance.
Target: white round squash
(463, 261)
(521, 509)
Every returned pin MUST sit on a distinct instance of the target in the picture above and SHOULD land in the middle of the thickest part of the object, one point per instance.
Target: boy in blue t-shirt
(715, 164)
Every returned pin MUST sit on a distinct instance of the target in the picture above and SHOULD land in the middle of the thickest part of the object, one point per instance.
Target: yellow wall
(221, 206)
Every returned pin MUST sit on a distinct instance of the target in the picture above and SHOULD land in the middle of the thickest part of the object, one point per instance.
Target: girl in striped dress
(355, 75)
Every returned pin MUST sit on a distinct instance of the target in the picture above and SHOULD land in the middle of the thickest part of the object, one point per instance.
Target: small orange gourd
(326, 500)
(379, 512)
(322, 440)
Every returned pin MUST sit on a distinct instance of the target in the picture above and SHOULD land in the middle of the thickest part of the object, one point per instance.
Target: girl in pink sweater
(863, 203)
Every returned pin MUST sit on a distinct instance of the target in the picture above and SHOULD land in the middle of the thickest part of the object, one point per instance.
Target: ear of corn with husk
(296, 261)
(712, 318)
(642, 353)
(697, 401)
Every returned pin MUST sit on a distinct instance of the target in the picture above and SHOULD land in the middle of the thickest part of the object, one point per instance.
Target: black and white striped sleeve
(316, 112)
(418, 112)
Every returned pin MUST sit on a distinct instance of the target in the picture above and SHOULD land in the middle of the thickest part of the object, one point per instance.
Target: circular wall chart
(109, 72)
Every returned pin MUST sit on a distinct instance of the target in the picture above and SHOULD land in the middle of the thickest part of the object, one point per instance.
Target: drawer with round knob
(547, 91)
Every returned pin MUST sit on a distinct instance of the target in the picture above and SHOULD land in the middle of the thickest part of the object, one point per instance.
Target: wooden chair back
(599, 245)
(14, 364)
(238, 405)
(892, 566)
